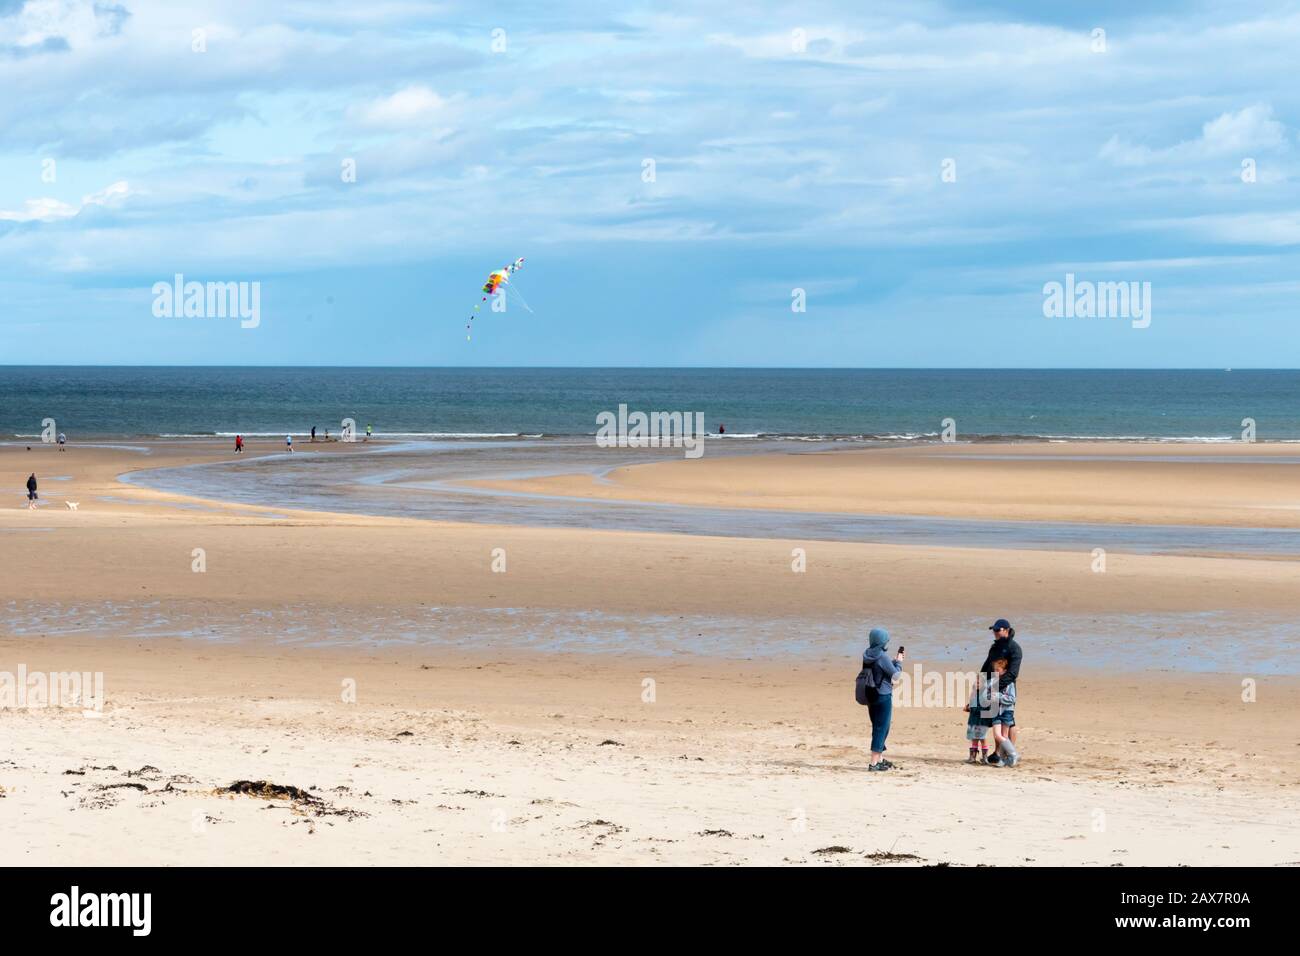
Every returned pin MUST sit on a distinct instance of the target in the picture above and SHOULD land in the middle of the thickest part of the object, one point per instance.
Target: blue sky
(795, 146)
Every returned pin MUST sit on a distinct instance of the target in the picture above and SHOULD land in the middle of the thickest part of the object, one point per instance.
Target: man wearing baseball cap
(1004, 646)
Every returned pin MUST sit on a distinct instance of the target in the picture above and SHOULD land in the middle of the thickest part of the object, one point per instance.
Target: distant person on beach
(1004, 647)
(239, 444)
(31, 490)
(722, 429)
(369, 431)
(63, 442)
(288, 443)
(875, 689)
(313, 433)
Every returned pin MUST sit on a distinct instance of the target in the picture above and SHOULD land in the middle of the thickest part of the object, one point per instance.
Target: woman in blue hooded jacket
(880, 694)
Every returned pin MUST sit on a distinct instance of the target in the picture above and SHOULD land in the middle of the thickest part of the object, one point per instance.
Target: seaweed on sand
(272, 791)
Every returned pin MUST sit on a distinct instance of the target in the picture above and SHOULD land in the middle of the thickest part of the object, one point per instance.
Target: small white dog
(72, 505)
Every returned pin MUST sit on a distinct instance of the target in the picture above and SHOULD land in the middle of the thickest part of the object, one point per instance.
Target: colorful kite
(498, 283)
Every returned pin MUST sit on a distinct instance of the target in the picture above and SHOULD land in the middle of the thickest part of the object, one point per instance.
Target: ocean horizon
(179, 402)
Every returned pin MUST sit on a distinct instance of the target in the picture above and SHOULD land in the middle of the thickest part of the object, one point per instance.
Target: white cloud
(1280, 228)
(1250, 129)
(51, 210)
(409, 108)
(1242, 133)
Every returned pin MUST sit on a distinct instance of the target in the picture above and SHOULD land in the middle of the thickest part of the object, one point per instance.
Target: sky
(851, 184)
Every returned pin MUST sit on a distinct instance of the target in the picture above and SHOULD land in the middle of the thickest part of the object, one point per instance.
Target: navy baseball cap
(1000, 623)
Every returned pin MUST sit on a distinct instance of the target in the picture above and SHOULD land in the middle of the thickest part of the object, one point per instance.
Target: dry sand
(1078, 481)
(453, 758)
(506, 759)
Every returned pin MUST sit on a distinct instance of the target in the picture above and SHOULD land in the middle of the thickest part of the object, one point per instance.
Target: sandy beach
(1221, 483)
(431, 709)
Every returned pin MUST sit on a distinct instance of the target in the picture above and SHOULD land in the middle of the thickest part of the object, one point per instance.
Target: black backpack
(867, 683)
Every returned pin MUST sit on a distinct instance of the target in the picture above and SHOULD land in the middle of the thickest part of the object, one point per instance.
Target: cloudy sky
(671, 171)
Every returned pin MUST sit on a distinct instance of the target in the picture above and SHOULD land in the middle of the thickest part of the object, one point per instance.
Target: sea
(817, 405)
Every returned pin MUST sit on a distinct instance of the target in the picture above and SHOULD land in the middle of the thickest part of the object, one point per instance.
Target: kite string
(522, 300)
